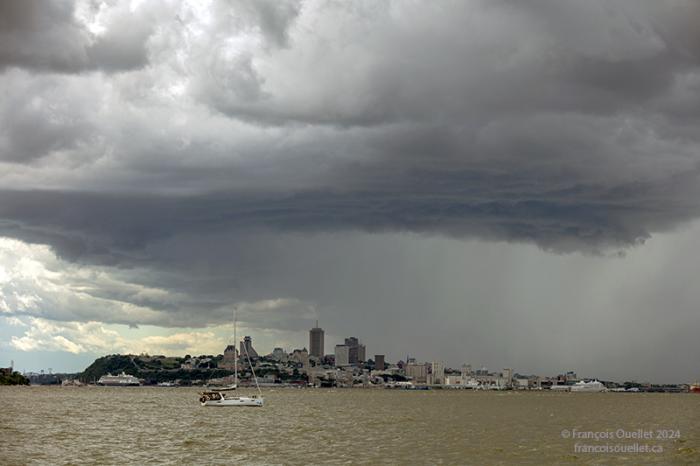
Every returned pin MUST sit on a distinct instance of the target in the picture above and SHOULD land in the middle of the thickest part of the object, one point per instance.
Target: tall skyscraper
(316, 341)
(357, 350)
(379, 362)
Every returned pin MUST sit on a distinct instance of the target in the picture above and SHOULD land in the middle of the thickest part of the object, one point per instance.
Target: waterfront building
(508, 377)
(417, 372)
(437, 373)
(453, 380)
(316, 346)
(522, 384)
(247, 346)
(342, 355)
(466, 370)
(379, 364)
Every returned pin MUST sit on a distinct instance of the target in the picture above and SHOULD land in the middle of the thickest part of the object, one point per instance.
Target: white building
(454, 380)
(342, 355)
(522, 384)
(508, 377)
(417, 372)
(437, 373)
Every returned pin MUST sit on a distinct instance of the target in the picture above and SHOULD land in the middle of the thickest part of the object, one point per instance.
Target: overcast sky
(498, 182)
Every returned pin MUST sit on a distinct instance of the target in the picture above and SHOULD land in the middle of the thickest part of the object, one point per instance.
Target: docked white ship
(121, 380)
(591, 386)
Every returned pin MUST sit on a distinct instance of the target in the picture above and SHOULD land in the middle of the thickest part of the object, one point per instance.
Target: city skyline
(421, 371)
(514, 183)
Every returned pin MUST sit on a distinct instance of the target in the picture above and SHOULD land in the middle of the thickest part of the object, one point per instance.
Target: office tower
(357, 350)
(438, 373)
(379, 362)
(316, 341)
(342, 355)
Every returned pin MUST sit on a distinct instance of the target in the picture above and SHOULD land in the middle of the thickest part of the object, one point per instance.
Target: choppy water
(96, 425)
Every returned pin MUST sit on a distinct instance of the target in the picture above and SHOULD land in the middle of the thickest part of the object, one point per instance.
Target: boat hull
(119, 384)
(235, 401)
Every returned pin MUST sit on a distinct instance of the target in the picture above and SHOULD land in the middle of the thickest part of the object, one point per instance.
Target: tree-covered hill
(13, 379)
(151, 369)
(113, 364)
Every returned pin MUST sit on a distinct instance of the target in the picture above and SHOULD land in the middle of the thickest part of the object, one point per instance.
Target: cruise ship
(592, 386)
(121, 380)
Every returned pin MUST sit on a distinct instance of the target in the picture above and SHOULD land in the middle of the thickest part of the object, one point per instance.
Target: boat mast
(252, 369)
(235, 350)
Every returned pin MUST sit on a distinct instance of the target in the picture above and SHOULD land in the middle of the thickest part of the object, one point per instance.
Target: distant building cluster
(347, 366)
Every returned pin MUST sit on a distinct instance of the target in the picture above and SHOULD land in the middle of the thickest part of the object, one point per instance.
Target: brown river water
(149, 425)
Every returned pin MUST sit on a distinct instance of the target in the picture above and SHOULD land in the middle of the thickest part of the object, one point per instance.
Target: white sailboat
(220, 397)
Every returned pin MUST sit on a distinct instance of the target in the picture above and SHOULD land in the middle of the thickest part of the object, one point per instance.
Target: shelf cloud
(133, 133)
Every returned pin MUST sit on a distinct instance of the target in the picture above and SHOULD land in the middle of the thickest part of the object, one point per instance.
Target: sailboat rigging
(218, 397)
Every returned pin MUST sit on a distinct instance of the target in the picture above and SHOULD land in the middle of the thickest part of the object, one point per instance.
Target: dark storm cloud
(242, 150)
(558, 123)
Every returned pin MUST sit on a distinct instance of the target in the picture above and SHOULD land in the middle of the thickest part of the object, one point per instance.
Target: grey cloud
(47, 37)
(43, 117)
(274, 18)
(468, 62)
(264, 138)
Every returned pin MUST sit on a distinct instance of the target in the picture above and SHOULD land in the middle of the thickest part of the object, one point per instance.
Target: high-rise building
(438, 373)
(379, 362)
(357, 350)
(342, 355)
(316, 341)
(247, 348)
